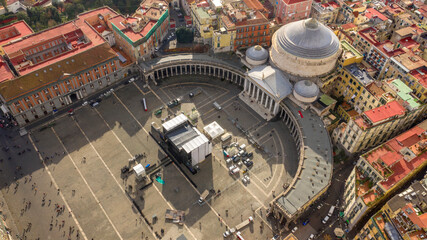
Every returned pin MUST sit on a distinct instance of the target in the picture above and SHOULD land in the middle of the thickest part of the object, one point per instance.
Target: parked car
(85, 103)
(294, 229)
(94, 104)
(248, 163)
(250, 155)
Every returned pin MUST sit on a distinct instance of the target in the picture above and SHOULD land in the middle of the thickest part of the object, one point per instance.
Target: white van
(331, 211)
(217, 106)
(325, 220)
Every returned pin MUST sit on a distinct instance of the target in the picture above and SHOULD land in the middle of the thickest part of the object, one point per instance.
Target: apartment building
(375, 126)
(252, 30)
(56, 67)
(383, 169)
(292, 10)
(139, 34)
(358, 88)
(402, 217)
(325, 13)
(205, 20)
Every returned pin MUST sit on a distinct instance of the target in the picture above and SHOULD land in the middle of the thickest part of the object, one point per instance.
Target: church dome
(256, 55)
(306, 91)
(307, 39)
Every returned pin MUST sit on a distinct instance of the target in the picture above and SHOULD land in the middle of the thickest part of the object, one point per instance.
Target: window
(91, 86)
(100, 83)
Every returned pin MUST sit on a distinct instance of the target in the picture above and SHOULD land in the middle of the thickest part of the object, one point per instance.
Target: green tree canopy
(184, 35)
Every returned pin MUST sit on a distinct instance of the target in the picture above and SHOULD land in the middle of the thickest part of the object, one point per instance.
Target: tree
(184, 35)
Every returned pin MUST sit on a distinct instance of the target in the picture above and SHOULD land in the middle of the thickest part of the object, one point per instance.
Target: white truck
(203, 196)
(244, 223)
(331, 211)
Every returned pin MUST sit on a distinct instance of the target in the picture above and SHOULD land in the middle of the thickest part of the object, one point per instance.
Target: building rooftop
(421, 75)
(14, 31)
(349, 50)
(316, 171)
(359, 74)
(50, 74)
(47, 47)
(405, 93)
(372, 13)
(272, 81)
(396, 158)
(385, 112)
(409, 61)
(348, 26)
(408, 31)
(5, 72)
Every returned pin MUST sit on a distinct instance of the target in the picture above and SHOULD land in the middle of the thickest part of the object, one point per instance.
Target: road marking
(142, 127)
(87, 184)
(57, 187)
(108, 169)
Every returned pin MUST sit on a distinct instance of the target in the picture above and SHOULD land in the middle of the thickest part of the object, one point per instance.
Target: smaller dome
(306, 91)
(257, 53)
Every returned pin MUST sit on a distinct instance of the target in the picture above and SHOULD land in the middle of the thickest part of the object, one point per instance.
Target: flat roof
(348, 47)
(13, 31)
(316, 172)
(5, 72)
(421, 75)
(360, 75)
(404, 92)
(385, 112)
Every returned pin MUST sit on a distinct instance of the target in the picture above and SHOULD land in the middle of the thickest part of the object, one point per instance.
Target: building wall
(223, 42)
(354, 139)
(354, 92)
(44, 101)
(250, 35)
(293, 12)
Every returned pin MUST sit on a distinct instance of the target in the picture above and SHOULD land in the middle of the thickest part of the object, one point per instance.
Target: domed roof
(307, 39)
(306, 89)
(257, 53)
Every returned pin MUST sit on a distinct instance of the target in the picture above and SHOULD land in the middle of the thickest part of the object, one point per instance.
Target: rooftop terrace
(359, 74)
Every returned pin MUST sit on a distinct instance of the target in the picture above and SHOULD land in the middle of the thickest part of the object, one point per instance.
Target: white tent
(174, 122)
(213, 130)
(139, 170)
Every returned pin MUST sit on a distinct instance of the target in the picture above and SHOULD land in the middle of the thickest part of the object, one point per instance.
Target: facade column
(262, 97)
(266, 101)
(246, 85)
(257, 94)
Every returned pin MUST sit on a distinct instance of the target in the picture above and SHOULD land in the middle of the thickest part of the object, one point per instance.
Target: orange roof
(419, 220)
(372, 13)
(421, 75)
(37, 39)
(385, 112)
(14, 31)
(5, 72)
(348, 26)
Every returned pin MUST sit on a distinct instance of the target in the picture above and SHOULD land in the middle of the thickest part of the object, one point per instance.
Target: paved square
(83, 156)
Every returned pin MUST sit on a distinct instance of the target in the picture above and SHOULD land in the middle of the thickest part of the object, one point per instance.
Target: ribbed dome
(257, 53)
(307, 39)
(306, 89)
